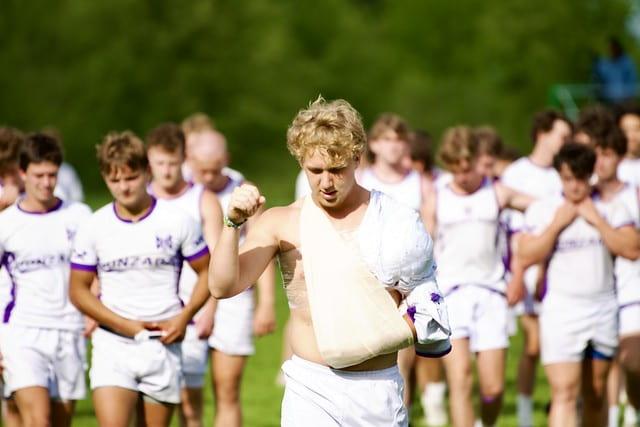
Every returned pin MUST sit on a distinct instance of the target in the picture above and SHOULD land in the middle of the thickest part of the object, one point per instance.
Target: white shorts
(195, 352)
(233, 325)
(148, 367)
(569, 328)
(480, 314)
(629, 319)
(37, 357)
(318, 396)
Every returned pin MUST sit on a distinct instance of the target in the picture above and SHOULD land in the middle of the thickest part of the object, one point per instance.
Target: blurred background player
(42, 344)
(136, 350)
(389, 172)
(579, 235)
(11, 186)
(236, 319)
(533, 175)
(463, 216)
(628, 119)
(166, 152)
(610, 150)
(69, 185)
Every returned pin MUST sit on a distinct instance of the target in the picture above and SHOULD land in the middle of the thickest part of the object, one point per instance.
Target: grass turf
(261, 396)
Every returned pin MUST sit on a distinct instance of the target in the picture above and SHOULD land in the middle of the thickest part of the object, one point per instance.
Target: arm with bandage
(400, 254)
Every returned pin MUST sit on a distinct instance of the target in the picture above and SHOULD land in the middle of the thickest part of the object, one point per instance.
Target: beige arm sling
(353, 315)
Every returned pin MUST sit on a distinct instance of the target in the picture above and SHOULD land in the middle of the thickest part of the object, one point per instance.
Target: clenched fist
(244, 203)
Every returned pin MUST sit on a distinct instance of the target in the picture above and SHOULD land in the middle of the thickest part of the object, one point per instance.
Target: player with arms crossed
(135, 247)
(464, 216)
(41, 340)
(579, 235)
(166, 152)
(345, 270)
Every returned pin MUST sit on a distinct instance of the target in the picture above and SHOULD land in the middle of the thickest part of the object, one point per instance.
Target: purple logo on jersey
(79, 255)
(70, 234)
(164, 243)
(437, 298)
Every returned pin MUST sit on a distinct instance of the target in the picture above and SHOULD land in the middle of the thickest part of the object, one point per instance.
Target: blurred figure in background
(165, 147)
(390, 173)
(628, 119)
(239, 318)
(616, 74)
(463, 217)
(535, 176)
(69, 185)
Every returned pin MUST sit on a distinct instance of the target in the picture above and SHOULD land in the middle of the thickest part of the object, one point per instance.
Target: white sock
(631, 415)
(525, 410)
(614, 413)
(434, 393)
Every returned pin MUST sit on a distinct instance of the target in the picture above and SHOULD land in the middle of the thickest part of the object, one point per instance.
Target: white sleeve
(534, 218)
(620, 216)
(83, 254)
(193, 244)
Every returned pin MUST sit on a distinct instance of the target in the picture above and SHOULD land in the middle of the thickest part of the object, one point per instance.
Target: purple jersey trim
(202, 252)
(146, 215)
(84, 267)
(629, 304)
(12, 303)
(57, 206)
(626, 224)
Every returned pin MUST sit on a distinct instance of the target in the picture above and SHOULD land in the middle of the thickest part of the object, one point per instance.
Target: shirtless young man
(238, 319)
(464, 215)
(579, 235)
(344, 270)
(135, 247)
(166, 152)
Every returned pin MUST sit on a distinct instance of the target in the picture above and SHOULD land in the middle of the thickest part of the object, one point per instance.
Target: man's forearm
(90, 305)
(224, 267)
(266, 285)
(618, 241)
(535, 249)
(199, 296)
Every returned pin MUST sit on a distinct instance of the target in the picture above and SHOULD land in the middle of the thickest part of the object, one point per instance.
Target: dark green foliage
(87, 67)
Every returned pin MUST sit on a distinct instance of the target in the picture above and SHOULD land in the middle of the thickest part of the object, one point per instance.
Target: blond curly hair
(121, 149)
(334, 129)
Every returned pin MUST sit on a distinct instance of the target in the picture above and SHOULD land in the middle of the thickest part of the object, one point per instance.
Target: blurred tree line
(87, 67)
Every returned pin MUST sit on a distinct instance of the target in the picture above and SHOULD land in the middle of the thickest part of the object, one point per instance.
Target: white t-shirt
(580, 267)
(69, 186)
(408, 191)
(466, 245)
(139, 264)
(629, 171)
(627, 272)
(189, 202)
(35, 251)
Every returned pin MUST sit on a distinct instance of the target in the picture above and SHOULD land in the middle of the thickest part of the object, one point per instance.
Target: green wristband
(227, 222)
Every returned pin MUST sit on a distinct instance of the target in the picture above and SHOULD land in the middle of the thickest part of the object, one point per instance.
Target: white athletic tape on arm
(398, 250)
(354, 317)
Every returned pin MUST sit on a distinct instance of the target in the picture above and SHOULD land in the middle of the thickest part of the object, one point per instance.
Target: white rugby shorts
(480, 314)
(233, 325)
(38, 357)
(318, 396)
(148, 367)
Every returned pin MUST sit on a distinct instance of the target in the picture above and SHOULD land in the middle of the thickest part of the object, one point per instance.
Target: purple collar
(128, 221)
(55, 207)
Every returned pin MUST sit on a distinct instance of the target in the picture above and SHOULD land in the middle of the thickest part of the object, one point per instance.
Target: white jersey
(627, 272)
(408, 191)
(35, 249)
(466, 244)
(629, 171)
(302, 185)
(69, 186)
(139, 263)
(580, 268)
(189, 202)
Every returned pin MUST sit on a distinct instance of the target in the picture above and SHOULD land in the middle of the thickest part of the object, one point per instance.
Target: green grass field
(261, 396)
